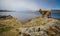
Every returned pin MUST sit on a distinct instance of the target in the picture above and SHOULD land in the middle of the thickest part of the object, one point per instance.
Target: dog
(45, 12)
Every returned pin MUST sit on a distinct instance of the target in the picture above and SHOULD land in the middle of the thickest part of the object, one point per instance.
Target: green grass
(5, 28)
(40, 22)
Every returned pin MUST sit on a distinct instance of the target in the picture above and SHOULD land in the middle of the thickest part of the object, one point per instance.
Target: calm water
(24, 16)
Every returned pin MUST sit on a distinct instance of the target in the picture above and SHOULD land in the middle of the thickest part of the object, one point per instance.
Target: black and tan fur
(45, 12)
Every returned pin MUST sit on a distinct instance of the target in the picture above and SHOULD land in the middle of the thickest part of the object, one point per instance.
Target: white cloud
(18, 5)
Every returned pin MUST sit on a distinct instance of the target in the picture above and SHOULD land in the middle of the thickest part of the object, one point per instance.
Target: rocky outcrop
(41, 27)
(36, 27)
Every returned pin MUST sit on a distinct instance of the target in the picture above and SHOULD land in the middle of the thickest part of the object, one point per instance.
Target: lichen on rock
(48, 27)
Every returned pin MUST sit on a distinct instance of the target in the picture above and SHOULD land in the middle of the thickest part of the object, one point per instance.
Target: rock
(36, 27)
(42, 27)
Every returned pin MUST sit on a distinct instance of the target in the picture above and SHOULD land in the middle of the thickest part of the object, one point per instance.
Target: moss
(40, 22)
(8, 24)
(5, 29)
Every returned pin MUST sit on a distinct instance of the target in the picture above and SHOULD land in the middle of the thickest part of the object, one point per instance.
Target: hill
(55, 10)
(6, 11)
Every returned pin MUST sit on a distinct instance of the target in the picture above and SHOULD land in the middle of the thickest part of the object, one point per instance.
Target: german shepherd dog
(45, 12)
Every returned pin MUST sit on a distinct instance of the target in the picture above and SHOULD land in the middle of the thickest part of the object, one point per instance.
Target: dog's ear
(39, 10)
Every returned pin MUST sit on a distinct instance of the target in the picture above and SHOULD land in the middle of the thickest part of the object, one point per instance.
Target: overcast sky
(22, 5)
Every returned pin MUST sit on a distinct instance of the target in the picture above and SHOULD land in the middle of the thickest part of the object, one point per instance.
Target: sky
(33, 5)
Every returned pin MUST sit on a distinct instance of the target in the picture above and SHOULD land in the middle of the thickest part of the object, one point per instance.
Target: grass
(40, 22)
(5, 28)
(8, 24)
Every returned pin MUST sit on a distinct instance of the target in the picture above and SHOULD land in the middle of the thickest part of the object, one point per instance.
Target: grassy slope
(38, 21)
(8, 26)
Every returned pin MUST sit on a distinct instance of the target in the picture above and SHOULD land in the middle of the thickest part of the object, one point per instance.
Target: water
(55, 15)
(24, 16)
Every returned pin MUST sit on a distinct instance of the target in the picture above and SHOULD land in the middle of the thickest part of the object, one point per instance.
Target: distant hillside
(6, 11)
(55, 10)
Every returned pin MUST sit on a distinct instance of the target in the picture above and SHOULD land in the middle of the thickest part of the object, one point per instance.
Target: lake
(24, 16)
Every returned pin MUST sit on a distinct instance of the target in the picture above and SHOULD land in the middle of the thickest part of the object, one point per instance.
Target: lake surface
(24, 16)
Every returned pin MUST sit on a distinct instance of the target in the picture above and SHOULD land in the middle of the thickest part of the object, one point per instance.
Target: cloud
(18, 5)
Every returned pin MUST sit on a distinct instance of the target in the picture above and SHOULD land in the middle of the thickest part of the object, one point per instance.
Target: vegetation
(37, 22)
(5, 28)
(8, 23)
(10, 26)
(41, 27)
